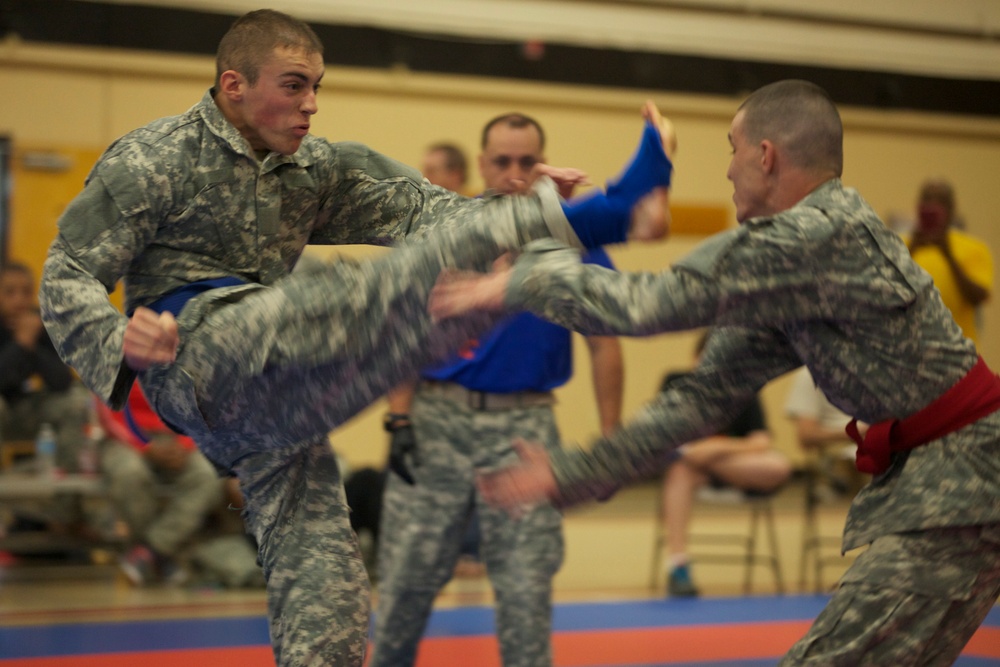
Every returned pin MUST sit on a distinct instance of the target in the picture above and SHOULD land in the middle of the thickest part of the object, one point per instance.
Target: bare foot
(651, 217)
(668, 135)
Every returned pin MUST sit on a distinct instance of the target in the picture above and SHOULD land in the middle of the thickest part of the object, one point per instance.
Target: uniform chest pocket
(220, 213)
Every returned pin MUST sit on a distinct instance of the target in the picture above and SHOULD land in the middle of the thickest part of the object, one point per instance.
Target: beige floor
(609, 555)
(610, 549)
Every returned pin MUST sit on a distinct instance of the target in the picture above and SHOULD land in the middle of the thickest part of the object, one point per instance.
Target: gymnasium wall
(64, 105)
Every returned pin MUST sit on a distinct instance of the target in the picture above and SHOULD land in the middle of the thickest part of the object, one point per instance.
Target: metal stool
(761, 518)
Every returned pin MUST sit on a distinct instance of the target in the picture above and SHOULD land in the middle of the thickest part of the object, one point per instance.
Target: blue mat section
(468, 621)
(88, 638)
(640, 614)
(164, 635)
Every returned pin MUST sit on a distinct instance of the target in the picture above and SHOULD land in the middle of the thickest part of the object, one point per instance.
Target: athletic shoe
(679, 583)
(138, 565)
(171, 572)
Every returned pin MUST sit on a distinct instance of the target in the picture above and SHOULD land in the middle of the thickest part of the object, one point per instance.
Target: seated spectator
(224, 554)
(820, 426)
(36, 387)
(739, 457)
(140, 460)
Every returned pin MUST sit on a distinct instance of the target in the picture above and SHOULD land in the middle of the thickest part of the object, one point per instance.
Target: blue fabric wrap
(600, 218)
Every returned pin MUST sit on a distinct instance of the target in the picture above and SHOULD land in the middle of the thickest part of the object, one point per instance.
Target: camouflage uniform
(826, 284)
(423, 524)
(266, 369)
(466, 414)
(135, 488)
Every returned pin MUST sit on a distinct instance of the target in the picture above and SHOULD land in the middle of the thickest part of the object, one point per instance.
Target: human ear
(231, 84)
(768, 156)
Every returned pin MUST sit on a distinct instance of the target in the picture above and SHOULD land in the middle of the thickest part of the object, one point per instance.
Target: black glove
(403, 456)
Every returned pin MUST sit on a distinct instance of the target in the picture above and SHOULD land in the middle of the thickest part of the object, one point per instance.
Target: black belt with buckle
(484, 400)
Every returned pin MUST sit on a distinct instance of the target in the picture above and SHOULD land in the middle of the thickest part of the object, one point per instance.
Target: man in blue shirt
(464, 415)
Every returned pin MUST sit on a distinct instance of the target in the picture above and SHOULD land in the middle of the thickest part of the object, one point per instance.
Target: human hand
(565, 178)
(931, 237)
(403, 457)
(26, 328)
(150, 339)
(458, 292)
(515, 488)
(931, 229)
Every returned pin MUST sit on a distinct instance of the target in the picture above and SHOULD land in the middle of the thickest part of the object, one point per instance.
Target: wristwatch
(395, 420)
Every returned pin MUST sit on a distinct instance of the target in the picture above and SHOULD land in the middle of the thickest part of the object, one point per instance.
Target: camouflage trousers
(317, 587)
(264, 373)
(66, 411)
(423, 528)
(911, 599)
(164, 524)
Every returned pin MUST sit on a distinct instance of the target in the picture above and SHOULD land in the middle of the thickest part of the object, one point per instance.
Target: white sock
(676, 560)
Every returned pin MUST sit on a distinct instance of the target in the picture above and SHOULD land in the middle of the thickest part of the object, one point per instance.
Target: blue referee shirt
(522, 353)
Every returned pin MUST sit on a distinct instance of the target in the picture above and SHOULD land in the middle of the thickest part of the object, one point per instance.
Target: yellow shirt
(974, 257)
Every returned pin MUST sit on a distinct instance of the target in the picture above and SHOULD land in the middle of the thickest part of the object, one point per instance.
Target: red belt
(976, 395)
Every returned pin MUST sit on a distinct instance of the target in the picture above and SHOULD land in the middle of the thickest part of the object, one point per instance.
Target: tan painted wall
(78, 100)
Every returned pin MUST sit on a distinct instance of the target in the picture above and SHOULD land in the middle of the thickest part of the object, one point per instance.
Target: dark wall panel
(182, 31)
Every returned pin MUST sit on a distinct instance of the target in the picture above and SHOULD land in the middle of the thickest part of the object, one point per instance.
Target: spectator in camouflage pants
(140, 460)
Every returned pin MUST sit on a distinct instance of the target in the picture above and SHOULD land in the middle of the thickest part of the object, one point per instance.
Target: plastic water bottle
(45, 451)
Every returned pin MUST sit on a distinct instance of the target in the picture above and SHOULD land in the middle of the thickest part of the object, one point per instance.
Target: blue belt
(174, 302)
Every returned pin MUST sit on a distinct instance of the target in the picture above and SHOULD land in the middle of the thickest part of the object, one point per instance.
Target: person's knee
(776, 472)
(199, 471)
(683, 473)
(125, 469)
(764, 472)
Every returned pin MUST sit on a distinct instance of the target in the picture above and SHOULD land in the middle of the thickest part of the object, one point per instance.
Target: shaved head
(253, 38)
(801, 119)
